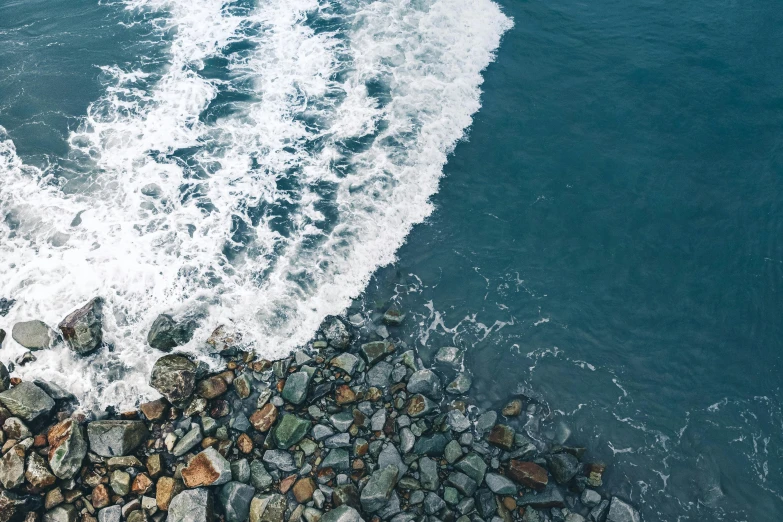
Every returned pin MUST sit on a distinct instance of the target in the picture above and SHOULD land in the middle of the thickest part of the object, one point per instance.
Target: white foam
(280, 156)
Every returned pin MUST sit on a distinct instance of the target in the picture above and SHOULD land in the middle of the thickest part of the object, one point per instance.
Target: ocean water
(586, 196)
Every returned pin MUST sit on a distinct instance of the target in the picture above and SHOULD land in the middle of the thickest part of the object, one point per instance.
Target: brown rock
(528, 474)
(264, 418)
(205, 469)
(141, 484)
(100, 496)
(39, 441)
(501, 436)
(220, 408)
(212, 387)
(53, 498)
(344, 395)
(303, 490)
(373, 394)
(154, 466)
(209, 442)
(286, 483)
(513, 408)
(154, 410)
(37, 472)
(245, 444)
(509, 503)
(166, 489)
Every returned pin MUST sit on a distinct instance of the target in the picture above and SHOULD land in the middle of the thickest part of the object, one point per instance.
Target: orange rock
(303, 490)
(154, 410)
(264, 418)
(286, 484)
(166, 489)
(141, 484)
(344, 394)
(245, 444)
(100, 496)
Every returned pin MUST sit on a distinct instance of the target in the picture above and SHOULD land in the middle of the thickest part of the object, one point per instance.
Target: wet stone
(463, 483)
(34, 335)
(473, 466)
(432, 446)
(281, 460)
(380, 375)
(457, 421)
(290, 430)
(460, 385)
(166, 334)
(343, 513)
(420, 406)
(240, 471)
(341, 421)
(27, 401)
(235, 499)
(452, 452)
(428, 474)
(528, 474)
(187, 442)
(212, 387)
(549, 498)
(239, 422)
(82, 329)
(37, 472)
(513, 408)
(267, 508)
(174, 377)
(260, 477)
(377, 491)
(109, 438)
(450, 356)
(12, 468)
(486, 421)
(620, 511)
(433, 503)
(499, 484)
(336, 333)
(598, 513)
(375, 351)
(501, 436)
(263, 419)
(590, 498)
(426, 383)
(295, 389)
(563, 467)
(347, 362)
(208, 468)
(485, 503)
(337, 459)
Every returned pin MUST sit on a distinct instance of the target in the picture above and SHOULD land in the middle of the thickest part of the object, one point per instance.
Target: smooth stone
(235, 499)
(500, 485)
(82, 329)
(110, 438)
(27, 401)
(191, 505)
(34, 335)
(502, 436)
(187, 442)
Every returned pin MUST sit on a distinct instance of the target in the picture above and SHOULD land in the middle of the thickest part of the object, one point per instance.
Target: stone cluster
(344, 430)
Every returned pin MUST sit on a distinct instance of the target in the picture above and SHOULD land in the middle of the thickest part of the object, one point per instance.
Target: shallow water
(607, 234)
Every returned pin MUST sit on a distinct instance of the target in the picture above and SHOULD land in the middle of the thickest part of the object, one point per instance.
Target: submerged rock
(166, 334)
(34, 335)
(82, 329)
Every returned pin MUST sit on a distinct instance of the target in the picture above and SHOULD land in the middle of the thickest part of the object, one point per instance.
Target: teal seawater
(609, 233)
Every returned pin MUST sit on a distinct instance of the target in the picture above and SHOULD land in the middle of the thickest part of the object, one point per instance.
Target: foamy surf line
(271, 216)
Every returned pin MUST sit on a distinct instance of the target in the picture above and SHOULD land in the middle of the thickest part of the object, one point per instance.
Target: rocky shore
(346, 429)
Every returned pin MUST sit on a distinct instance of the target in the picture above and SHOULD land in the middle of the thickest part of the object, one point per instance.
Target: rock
(420, 405)
(457, 421)
(433, 503)
(141, 484)
(53, 390)
(243, 385)
(295, 389)
(460, 385)
(166, 334)
(290, 430)
(154, 410)
(432, 446)
(531, 515)
(225, 340)
(165, 490)
(486, 421)
(347, 362)
(344, 395)
(513, 408)
(529, 474)
(212, 387)
(380, 375)
(14, 428)
(563, 467)
(110, 514)
(14, 507)
(620, 511)
(259, 477)
(426, 383)
(598, 513)
(34, 335)
(120, 482)
(393, 317)
(37, 473)
(428, 474)
(463, 483)
(452, 452)
(590, 498)
(485, 503)
(377, 491)
(82, 329)
(267, 508)
(208, 468)
(375, 351)
(502, 436)
(336, 333)
(12, 468)
(341, 421)
(549, 498)
(407, 440)
(304, 489)
(343, 513)
(389, 456)
(264, 418)
(450, 356)
(235, 498)
(6, 305)
(337, 459)
(187, 442)
(281, 460)
(174, 377)
(473, 466)
(64, 513)
(27, 401)
(574, 517)
(240, 471)
(5, 378)
(500, 485)
(192, 505)
(110, 438)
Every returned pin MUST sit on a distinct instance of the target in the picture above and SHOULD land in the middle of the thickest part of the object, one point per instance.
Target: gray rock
(268, 508)
(281, 460)
(433, 503)
(393, 317)
(336, 333)
(5, 378)
(574, 517)
(120, 482)
(343, 513)
(457, 421)
(466, 505)
(563, 467)
(239, 422)
(428, 474)
(598, 513)
(426, 383)
(187, 442)
(464, 484)
(82, 329)
(260, 478)
(461, 384)
(432, 446)
(549, 498)
(347, 362)
(375, 351)
(192, 505)
(152, 190)
(531, 515)
(485, 503)
(337, 459)
(14, 428)
(295, 389)
(620, 511)
(486, 420)
(166, 334)
(590, 498)
(110, 514)
(377, 491)
(27, 401)
(174, 376)
(500, 485)
(115, 438)
(240, 471)
(378, 420)
(389, 456)
(407, 440)
(450, 356)
(473, 466)
(53, 390)
(15, 507)
(341, 440)
(235, 498)
(341, 421)
(63, 513)
(420, 406)
(68, 449)
(6, 305)
(12, 468)
(380, 374)
(34, 335)
(452, 452)
(321, 432)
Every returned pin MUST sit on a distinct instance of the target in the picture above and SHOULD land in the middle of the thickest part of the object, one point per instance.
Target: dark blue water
(609, 234)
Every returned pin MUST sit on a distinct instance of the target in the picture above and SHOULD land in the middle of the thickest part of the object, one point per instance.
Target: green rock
(290, 430)
(461, 384)
(120, 482)
(473, 466)
(337, 459)
(453, 451)
(66, 456)
(295, 389)
(259, 477)
(378, 490)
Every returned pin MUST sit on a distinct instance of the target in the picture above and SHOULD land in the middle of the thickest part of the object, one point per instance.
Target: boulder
(620, 511)
(27, 401)
(67, 448)
(114, 438)
(34, 335)
(166, 334)
(192, 505)
(529, 474)
(378, 490)
(174, 376)
(208, 468)
(344, 513)
(82, 329)
(235, 499)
